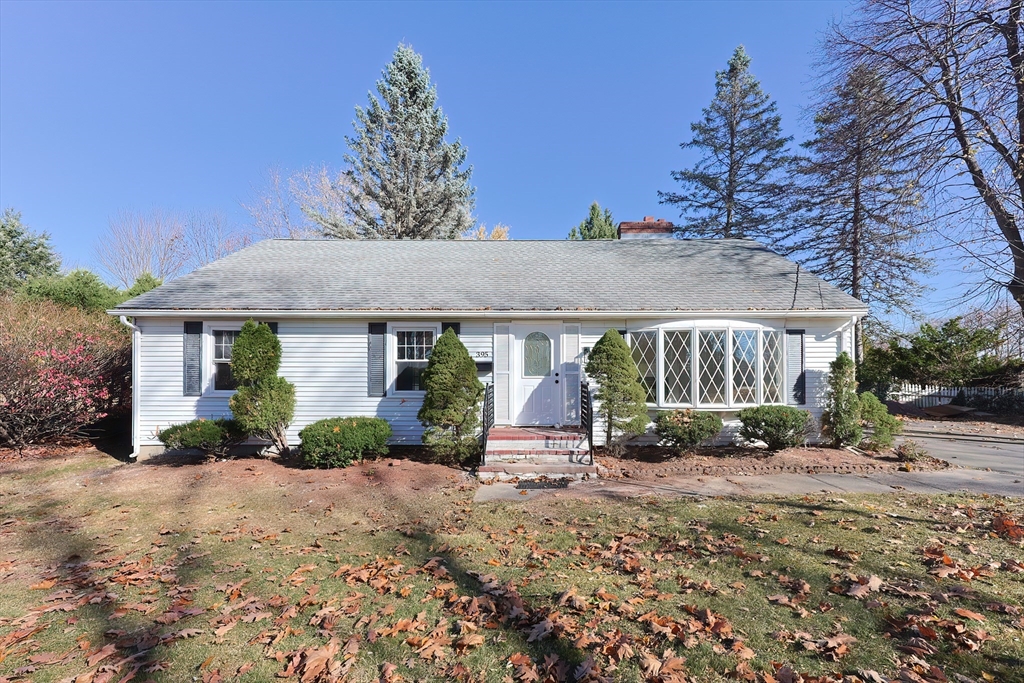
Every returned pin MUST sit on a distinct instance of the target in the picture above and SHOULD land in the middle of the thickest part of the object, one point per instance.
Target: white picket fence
(928, 396)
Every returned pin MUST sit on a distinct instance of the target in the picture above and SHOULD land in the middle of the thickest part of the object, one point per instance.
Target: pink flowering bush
(62, 369)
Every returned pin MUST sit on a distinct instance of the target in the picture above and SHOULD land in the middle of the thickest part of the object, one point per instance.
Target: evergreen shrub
(884, 426)
(777, 426)
(840, 420)
(450, 412)
(212, 437)
(684, 429)
(264, 403)
(623, 401)
(340, 441)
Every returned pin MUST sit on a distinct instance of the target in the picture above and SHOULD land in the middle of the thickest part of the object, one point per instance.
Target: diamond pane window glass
(413, 348)
(744, 366)
(678, 374)
(537, 355)
(711, 366)
(645, 355)
(772, 364)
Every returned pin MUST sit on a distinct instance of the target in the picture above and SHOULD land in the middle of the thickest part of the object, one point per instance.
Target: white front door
(537, 374)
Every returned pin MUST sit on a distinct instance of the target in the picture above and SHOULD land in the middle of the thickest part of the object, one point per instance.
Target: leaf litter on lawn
(291, 579)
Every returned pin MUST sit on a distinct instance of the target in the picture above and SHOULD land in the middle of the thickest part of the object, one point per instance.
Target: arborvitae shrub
(884, 426)
(340, 441)
(450, 412)
(264, 403)
(685, 429)
(622, 397)
(214, 437)
(840, 420)
(778, 427)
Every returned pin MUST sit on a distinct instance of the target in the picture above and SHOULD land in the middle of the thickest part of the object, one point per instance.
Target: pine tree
(738, 187)
(451, 404)
(406, 178)
(623, 399)
(860, 224)
(23, 254)
(599, 225)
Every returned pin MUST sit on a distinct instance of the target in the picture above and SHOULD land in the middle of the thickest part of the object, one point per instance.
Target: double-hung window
(412, 351)
(223, 340)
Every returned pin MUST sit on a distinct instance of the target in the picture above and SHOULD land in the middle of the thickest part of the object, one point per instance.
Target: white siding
(326, 360)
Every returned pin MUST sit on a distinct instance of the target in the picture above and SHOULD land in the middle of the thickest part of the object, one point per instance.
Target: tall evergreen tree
(23, 254)
(597, 226)
(861, 218)
(737, 188)
(407, 180)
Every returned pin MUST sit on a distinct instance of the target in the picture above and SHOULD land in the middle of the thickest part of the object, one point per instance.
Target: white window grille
(413, 349)
(678, 368)
(223, 340)
(711, 355)
(645, 355)
(772, 378)
(744, 366)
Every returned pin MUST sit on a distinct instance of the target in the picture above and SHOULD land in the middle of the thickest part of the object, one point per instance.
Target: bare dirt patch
(654, 461)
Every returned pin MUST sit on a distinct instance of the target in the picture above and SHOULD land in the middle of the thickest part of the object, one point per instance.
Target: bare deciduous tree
(958, 66)
(498, 232)
(137, 243)
(164, 244)
(308, 204)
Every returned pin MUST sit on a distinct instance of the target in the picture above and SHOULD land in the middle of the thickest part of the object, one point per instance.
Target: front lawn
(247, 570)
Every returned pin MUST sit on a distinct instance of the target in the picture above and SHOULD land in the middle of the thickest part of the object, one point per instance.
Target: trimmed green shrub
(213, 437)
(256, 354)
(777, 426)
(622, 397)
(451, 406)
(81, 289)
(884, 426)
(340, 441)
(684, 429)
(840, 420)
(264, 403)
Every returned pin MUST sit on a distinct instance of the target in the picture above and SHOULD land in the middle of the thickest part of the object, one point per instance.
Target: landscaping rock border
(726, 470)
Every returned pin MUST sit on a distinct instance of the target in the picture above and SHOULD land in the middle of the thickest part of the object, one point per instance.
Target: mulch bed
(716, 462)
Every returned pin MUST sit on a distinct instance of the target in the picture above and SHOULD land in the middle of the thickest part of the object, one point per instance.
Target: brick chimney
(648, 228)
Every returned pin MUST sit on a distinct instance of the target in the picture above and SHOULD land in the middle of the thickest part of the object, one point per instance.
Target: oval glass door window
(537, 355)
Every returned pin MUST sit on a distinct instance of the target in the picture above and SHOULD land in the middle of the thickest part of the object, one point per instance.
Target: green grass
(144, 544)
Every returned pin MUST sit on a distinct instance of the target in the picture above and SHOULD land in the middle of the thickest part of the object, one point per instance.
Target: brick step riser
(535, 451)
(501, 445)
(574, 459)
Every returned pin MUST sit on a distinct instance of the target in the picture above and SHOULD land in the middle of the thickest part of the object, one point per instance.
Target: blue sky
(180, 106)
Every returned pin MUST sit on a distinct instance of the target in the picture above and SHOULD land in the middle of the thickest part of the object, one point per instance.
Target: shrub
(623, 399)
(340, 441)
(451, 405)
(80, 289)
(840, 420)
(884, 426)
(684, 429)
(213, 437)
(777, 426)
(63, 369)
(264, 403)
(910, 451)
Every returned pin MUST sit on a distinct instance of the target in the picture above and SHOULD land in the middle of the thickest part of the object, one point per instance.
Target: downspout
(136, 333)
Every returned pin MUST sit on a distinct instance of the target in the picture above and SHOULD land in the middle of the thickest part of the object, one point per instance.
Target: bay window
(710, 367)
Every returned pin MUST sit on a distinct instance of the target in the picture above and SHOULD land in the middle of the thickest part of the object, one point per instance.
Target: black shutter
(193, 370)
(796, 379)
(453, 326)
(273, 327)
(376, 358)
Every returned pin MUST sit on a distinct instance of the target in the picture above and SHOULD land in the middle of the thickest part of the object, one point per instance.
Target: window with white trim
(678, 370)
(645, 356)
(744, 366)
(711, 356)
(772, 378)
(412, 351)
(223, 340)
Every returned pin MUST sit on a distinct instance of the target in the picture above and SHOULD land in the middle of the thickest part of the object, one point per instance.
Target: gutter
(136, 333)
(565, 314)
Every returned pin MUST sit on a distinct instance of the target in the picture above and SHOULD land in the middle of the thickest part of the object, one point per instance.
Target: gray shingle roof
(613, 275)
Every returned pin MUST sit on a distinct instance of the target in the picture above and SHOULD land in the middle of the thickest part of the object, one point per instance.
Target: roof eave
(490, 313)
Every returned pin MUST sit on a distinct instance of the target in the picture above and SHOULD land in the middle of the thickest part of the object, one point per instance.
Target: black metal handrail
(488, 420)
(587, 417)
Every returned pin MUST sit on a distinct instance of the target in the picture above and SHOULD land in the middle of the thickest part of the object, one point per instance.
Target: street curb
(991, 438)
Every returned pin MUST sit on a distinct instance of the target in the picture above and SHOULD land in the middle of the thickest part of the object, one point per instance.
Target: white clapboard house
(716, 325)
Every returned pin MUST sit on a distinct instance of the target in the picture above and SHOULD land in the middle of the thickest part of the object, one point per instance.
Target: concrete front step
(507, 470)
(534, 451)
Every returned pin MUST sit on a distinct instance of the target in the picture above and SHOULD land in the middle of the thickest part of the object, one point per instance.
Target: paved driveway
(997, 454)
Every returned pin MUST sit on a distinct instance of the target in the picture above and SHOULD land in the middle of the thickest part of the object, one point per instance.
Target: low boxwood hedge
(777, 426)
(684, 429)
(214, 437)
(340, 441)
